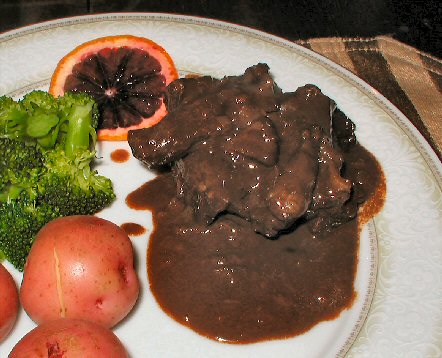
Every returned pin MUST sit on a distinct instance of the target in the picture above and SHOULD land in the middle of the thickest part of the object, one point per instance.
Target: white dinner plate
(398, 310)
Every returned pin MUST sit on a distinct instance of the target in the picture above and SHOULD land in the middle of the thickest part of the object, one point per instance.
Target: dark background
(417, 23)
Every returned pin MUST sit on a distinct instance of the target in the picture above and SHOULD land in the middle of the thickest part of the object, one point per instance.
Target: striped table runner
(410, 79)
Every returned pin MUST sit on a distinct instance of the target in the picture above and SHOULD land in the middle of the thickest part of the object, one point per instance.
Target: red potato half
(8, 302)
(69, 338)
(80, 267)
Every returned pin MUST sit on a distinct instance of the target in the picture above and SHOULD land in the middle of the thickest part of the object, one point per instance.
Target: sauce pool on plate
(230, 284)
(133, 229)
(120, 155)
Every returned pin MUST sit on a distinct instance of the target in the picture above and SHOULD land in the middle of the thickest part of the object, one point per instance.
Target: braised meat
(241, 146)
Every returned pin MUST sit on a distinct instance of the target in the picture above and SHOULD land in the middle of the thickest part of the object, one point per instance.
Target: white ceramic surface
(405, 317)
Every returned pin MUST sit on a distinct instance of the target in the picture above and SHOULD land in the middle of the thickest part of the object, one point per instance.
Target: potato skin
(69, 338)
(8, 302)
(80, 267)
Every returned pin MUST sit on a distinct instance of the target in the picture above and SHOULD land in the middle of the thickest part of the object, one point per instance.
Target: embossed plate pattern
(405, 316)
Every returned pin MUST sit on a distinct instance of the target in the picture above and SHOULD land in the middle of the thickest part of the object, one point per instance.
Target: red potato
(80, 267)
(8, 302)
(69, 338)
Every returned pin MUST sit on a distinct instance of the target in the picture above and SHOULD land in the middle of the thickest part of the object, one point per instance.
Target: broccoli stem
(79, 129)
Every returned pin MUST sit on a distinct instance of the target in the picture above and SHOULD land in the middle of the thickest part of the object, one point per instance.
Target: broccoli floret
(20, 220)
(47, 146)
(18, 156)
(71, 185)
(39, 99)
(20, 164)
(12, 118)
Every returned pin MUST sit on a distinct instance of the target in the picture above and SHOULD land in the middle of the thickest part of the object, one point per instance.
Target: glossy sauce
(133, 229)
(120, 155)
(230, 284)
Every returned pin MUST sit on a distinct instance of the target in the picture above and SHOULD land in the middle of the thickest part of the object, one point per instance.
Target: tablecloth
(410, 79)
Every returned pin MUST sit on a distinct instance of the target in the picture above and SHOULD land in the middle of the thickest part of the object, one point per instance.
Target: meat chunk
(201, 107)
(241, 146)
(292, 191)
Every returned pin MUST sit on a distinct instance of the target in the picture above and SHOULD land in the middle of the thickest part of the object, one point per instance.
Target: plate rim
(417, 139)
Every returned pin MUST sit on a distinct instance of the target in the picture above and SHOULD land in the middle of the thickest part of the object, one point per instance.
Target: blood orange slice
(126, 75)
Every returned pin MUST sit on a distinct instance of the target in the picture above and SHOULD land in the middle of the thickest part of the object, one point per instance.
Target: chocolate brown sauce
(231, 284)
(133, 229)
(120, 155)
